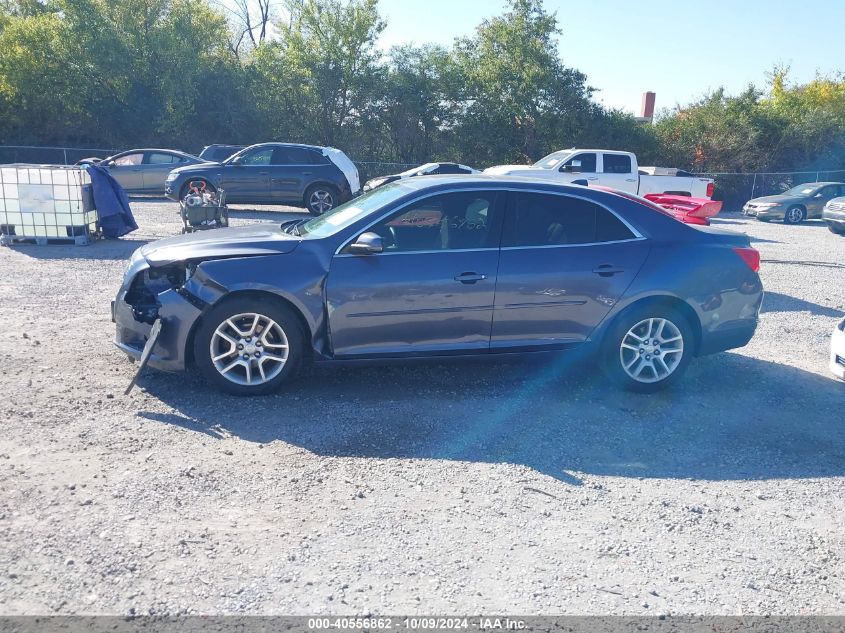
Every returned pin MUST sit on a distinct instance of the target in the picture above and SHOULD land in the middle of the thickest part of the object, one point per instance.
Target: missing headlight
(143, 293)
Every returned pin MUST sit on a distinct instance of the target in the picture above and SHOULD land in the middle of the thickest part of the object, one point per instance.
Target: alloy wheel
(249, 349)
(321, 201)
(794, 215)
(651, 350)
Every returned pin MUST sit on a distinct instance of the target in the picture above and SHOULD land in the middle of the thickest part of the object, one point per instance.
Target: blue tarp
(111, 202)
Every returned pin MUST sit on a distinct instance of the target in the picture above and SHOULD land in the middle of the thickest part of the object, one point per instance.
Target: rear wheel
(249, 346)
(648, 348)
(794, 215)
(321, 198)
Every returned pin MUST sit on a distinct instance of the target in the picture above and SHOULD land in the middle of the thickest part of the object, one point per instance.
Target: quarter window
(550, 220)
(465, 220)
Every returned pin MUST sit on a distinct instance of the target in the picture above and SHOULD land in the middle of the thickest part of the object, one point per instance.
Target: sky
(679, 49)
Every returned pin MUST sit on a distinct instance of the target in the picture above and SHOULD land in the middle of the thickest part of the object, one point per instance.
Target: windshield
(801, 190)
(346, 214)
(553, 160)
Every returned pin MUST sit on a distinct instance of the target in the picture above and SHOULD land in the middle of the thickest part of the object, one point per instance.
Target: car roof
(492, 180)
(818, 184)
(154, 149)
(278, 144)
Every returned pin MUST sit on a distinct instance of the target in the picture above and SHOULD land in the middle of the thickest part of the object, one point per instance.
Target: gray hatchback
(444, 266)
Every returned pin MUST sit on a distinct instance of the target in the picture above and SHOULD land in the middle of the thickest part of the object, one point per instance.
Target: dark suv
(317, 178)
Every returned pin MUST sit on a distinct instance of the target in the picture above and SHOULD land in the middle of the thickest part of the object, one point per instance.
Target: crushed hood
(244, 241)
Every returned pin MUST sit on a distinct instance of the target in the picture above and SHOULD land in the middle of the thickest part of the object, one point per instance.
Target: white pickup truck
(618, 170)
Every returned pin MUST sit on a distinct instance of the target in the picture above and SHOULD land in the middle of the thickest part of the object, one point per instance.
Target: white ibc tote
(46, 203)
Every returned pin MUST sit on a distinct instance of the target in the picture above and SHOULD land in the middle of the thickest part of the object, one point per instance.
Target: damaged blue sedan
(443, 266)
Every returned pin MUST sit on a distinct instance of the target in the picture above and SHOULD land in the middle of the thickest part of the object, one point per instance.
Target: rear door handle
(607, 270)
(264, 173)
(470, 278)
(593, 178)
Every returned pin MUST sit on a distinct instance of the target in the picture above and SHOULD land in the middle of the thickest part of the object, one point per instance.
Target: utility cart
(202, 209)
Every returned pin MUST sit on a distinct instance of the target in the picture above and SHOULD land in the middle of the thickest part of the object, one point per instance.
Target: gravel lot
(460, 488)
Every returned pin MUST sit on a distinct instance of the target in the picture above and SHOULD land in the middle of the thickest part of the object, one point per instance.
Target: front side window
(580, 164)
(552, 220)
(262, 156)
(617, 164)
(465, 220)
(129, 159)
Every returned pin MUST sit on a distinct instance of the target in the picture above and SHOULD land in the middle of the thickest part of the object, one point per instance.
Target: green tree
(520, 99)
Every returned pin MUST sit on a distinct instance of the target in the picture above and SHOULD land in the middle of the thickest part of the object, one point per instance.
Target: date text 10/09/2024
(417, 623)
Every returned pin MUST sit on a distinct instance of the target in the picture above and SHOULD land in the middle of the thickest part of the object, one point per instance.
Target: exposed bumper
(837, 352)
(729, 335)
(177, 318)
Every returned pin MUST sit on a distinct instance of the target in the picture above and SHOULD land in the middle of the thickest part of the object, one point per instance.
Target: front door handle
(630, 180)
(592, 178)
(470, 278)
(607, 270)
(264, 173)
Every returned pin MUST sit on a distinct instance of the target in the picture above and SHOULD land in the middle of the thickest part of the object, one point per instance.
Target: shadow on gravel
(98, 249)
(733, 417)
(777, 302)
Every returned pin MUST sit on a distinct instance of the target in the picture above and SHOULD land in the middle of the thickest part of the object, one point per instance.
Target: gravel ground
(460, 488)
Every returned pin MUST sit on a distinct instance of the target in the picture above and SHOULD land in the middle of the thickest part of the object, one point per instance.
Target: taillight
(750, 256)
(711, 187)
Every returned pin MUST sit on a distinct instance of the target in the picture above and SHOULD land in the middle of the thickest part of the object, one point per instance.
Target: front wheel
(793, 215)
(836, 229)
(249, 346)
(321, 198)
(648, 349)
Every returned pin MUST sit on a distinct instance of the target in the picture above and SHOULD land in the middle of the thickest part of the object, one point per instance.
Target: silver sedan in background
(144, 170)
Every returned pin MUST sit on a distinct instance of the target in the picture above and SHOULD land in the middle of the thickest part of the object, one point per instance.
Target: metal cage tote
(46, 203)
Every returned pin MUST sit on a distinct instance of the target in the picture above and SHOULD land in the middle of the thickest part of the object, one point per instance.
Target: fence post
(753, 185)
(64, 151)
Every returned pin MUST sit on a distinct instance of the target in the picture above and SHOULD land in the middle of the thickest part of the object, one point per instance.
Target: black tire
(316, 197)
(207, 343)
(794, 215)
(835, 229)
(185, 188)
(613, 356)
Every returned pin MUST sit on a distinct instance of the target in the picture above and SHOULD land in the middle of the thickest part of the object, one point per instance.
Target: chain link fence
(734, 189)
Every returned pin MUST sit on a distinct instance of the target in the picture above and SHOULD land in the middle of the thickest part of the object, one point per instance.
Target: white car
(608, 168)
(837, 351)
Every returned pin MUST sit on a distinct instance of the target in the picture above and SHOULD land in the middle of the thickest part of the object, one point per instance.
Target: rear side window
(617, 164)
(157, 158)
(551, 220)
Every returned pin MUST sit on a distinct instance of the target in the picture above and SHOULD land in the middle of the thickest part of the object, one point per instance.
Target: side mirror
(367, 244)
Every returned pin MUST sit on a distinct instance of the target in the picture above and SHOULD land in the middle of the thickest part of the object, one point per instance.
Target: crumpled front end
(146, 295)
